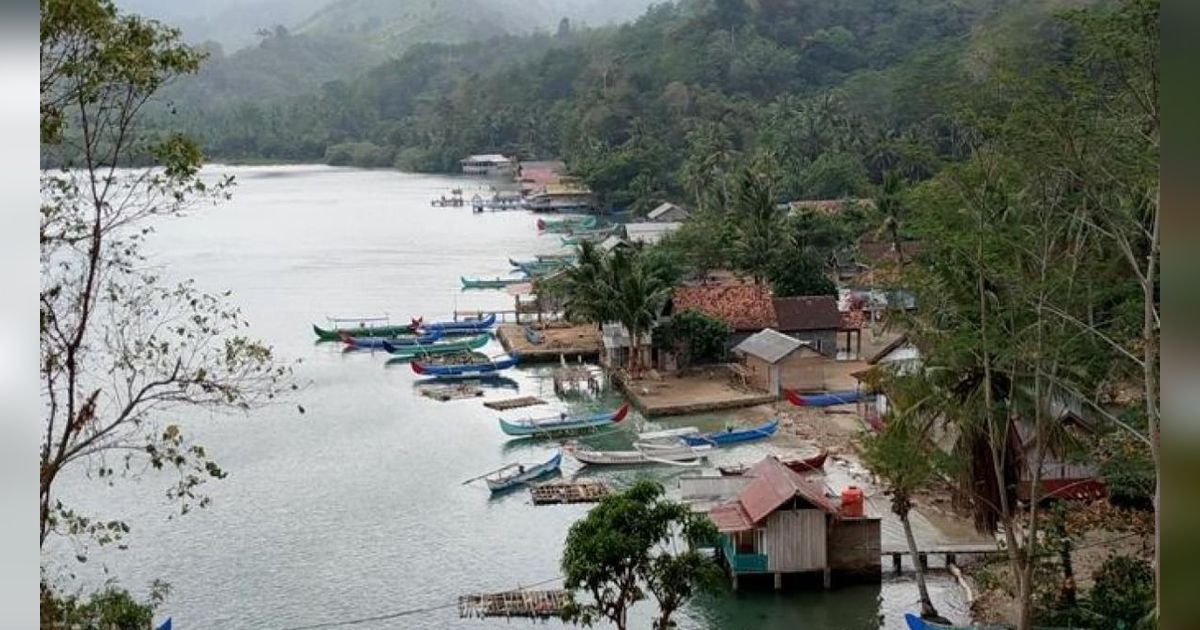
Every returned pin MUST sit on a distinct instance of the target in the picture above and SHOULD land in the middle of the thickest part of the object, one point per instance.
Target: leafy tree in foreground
(693, 336)
(120, 348)
(111, 608)
(628, 541)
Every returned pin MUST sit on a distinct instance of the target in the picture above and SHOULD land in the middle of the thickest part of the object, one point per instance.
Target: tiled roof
(810, 312)
(774, 485)
(768, 345)
(743, 307)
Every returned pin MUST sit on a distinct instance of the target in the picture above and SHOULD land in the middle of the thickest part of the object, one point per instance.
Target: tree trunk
(927, 609)
(664, 619)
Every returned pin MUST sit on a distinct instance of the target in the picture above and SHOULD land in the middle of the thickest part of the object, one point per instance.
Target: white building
(488, 164)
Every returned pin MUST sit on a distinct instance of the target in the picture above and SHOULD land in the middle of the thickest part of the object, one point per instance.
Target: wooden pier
(559, 342)
(578, 491)
(514, 403)
(519, 603)
(949, 552)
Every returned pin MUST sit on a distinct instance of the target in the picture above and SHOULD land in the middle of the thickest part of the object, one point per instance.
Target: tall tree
(758, 226)
(120, 348)
(637, 297)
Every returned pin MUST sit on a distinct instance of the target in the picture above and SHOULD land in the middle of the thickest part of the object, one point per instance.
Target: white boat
(644, 454)
(667, 433)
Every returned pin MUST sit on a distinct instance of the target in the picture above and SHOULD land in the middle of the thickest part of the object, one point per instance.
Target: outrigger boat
(460, 327)
(800, 465)
(642, 454)
(442, 347)
(539, 268)
(823, 400)
(489, 283)
(566, 225)
(562, 425)
(513, 475)
(366, 327)
(462, 369)
(399, 340)
(732, 435)
(916, 623)
(586, 235)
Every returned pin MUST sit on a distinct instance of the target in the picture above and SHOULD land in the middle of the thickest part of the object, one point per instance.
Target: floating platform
(569, 342)
(578, 491)
(451, 392)
(514, 403)
(519, 603)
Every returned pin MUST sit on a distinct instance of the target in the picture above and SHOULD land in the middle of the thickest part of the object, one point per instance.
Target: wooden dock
(514, 403)
(519, 603)
(578, 491)
(949, 552)
(451, 392)
(569, 342)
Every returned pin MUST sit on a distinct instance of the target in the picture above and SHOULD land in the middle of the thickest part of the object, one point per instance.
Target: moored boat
(398, 340)
(732, 435)
(825, 399)
(916, 623)
(489, 283)
(364, 328)
(641, 455)
(441, 347)
(477, 325)
(461, 369)
(798, 464)
(567, 224)
(514, 475)
(563, 424)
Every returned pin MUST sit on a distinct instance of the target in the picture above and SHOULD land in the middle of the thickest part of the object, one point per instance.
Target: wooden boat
(825, 399)
(732, 435)
(567, 224)
(456, 327)
(441, 347)
(363, 329)
(800, 465)
(567, 258)
(914, 622)
(489, 283)
(514, 475)
(534, 269)
(462, 369)
(555, 426)
(399, 340)
(590, 235)
(641, 455)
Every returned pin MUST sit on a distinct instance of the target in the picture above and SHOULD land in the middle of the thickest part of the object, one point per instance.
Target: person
(520, 468)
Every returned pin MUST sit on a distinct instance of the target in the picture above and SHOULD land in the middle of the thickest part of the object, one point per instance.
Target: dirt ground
(696, 392)
(568, 340)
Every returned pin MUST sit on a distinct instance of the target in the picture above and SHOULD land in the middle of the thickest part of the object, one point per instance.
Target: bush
(1123, 592)
(696, 336)
(112, 608)
(362, 154)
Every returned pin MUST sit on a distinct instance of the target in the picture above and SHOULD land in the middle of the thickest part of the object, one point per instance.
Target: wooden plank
(514, 403)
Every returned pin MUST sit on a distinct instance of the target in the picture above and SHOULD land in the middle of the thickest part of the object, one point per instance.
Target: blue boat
(556, 426)
(463, 369)
(532, 336)
(377, 342)
(916, 623)
(732, 436)
(457, 327)
(514, 475)
(823, 400)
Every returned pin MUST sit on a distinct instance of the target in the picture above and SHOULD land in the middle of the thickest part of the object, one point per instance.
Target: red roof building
(745, 307)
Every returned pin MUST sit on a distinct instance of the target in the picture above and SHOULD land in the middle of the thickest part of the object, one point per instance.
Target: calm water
(355, 508)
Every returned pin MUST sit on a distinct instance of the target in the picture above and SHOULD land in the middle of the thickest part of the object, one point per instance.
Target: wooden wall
(854, 546)
(794, 541)
(803, 371)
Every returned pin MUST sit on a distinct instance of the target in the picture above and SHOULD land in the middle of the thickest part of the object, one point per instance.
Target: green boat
(567, 225)
(389, 330)
(441, 347)
(490, 283)
(587, 235)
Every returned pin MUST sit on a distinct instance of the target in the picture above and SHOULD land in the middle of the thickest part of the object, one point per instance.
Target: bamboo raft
(451, 392)
(514, 403)
(519, 603)
(579, 491)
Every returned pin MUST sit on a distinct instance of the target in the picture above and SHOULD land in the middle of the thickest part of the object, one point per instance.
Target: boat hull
(733, 436)
(809, 464)
(377, 342)
(464, 368)
(333, 334)
(447, 347)
(459, 327)
(823, 400)
(640, 458)
(555, 427)
(525, 476)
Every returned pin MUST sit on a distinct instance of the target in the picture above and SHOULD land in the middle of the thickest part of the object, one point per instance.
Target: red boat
(800, 465)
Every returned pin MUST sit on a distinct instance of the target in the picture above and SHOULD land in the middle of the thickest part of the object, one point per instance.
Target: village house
(746, 308)
(781, 522)
(899, 355)
(534, 176)
(649, 233)
(773, 361)
(667, 213)
(487, 164)
(812, 319)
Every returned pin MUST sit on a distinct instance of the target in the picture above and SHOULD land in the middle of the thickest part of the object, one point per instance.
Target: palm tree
(635, 297)
(758, 226)
(892, 211)
(587, 298)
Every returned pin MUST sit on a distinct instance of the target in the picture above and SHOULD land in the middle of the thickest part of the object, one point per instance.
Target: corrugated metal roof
(807, 312)
(730, 517)
(649, 233)
(664, 208)
(775, 484)
(768, 345)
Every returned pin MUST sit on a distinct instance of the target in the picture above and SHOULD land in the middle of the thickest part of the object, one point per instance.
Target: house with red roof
(747, 308)
(782, 522)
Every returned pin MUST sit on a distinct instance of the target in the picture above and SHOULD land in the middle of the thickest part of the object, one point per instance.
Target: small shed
(613, 242)
(781, 522)
(616, 346)
(667, 212)
(776, 361)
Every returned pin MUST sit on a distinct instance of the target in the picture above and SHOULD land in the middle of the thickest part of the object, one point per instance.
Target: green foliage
(625, 542)
(694, 336)
(1127, 470)
(795, 272)
(362, 154)
(111, 608)
(757, 224)
(1122, 593)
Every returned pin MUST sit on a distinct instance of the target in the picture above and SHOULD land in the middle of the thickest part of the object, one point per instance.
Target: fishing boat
(798, 464)
(461, 369)
(514, 475)
(489, 381)
(916, 623)
(566, 225)
(534, 269)
(563, 424)
(365, 327)
(641, 455)
(489, 283)
(825, 399)
(463, 326)
(440, 347)
(585, 235)
(732, 435)
(567, 258)
(399, 340)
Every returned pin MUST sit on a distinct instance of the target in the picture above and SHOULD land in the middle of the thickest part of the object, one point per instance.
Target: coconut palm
(635, 297)
(891, 211)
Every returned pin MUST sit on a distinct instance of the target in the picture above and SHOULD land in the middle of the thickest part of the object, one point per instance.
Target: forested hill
(827, 93)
